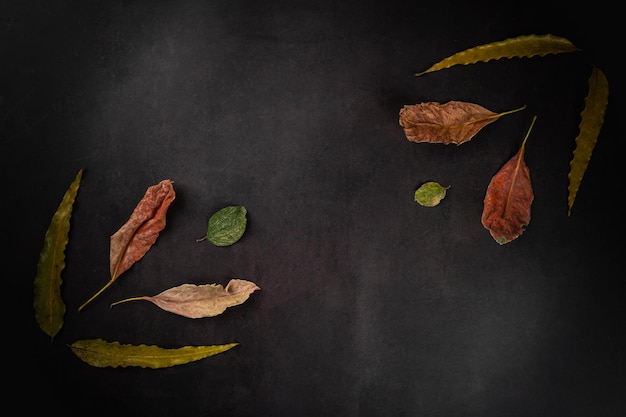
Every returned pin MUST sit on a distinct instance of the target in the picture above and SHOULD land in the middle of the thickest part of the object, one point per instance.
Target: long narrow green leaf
(101, 354)
(591, 121)
(525, 46)
(48, 304)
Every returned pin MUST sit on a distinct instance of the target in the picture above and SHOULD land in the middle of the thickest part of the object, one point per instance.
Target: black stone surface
(370, 305)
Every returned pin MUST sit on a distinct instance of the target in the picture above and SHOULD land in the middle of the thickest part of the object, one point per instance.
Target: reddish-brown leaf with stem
(509, 196)
(135, 238)
(453, 122)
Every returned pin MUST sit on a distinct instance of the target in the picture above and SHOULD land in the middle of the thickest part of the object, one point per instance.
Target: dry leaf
(197, 301)
(135, 238)
(48, 304)
(591, 121)
(525, 46)
(508, 199)
(452, 122)
(101, 354)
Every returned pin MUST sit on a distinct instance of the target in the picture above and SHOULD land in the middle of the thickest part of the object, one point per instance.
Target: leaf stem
(108, 284)
(529, 129)
(498, 115)
(517, 165)
(125, 300)
(513, 111)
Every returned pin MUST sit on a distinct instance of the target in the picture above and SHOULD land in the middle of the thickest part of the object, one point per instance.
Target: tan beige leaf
(453, 122)
(197, 301)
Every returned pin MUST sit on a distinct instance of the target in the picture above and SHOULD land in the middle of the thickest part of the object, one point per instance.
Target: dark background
(370, 304)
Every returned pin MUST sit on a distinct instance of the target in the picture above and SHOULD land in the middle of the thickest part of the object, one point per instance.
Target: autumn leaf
(453, 122)
(48, 304)
(525, 46)
(135, 238)
(430, 194)
(591, 121)
(509, 197)
(101, 354)
(197, 301)
(226, 226)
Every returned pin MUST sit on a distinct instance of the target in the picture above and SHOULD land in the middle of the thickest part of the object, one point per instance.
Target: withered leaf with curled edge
(525, 46)
(591, 121)
(135, 238)
(102, 354)
(453, 122)
(197, 301)
(48, 303)
(509, 196)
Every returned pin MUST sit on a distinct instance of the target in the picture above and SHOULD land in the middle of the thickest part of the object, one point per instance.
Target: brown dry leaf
(198, 301)
(453, 122)
(508, 199)
(135, 238)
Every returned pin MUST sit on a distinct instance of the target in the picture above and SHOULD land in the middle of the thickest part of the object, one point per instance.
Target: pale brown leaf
(197, 301)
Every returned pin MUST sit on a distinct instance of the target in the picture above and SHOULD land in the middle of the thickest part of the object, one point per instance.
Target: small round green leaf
(430, 194)
(227, 226)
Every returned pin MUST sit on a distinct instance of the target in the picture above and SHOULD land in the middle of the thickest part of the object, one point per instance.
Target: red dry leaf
(452, 122)
(508, 199)
(135, 238)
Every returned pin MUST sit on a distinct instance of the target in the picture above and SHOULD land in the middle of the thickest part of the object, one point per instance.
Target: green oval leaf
(430, 194)
(48, 304)
(226, 226)
(102, 354)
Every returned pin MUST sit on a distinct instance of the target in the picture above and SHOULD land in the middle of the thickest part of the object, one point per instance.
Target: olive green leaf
(226, 226)
(430, 194)
(48, 304)
(101, 354)
(524, 46)
(591, 121)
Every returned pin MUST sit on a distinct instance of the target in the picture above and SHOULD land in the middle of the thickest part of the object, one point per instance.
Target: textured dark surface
(370, 304)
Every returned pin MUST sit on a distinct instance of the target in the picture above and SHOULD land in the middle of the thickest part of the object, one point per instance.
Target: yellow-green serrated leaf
(525, 46)
(591, 121)
(102, 354)
(48, 304)
(430, 194)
